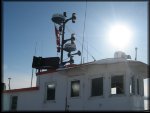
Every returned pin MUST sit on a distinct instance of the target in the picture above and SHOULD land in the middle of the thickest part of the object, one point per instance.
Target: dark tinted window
(117, 85)
(14, 103)
(132, 86)
(97, 87)
(138, 88)
(51, 91)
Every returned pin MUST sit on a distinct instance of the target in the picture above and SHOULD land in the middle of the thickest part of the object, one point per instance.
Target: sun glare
(120, 36)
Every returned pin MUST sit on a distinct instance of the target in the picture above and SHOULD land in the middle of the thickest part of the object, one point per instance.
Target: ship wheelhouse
(107, 84)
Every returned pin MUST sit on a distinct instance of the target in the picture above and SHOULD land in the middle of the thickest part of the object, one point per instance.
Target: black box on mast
(45, 63)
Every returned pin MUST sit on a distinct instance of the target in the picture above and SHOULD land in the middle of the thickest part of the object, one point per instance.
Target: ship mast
(56, 62)
(61, 21)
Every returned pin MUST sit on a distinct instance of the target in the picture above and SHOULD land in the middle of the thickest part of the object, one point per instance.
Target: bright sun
(119, 36)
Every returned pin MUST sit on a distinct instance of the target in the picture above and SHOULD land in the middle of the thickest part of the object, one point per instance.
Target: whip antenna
(33, 68)
(83, 31)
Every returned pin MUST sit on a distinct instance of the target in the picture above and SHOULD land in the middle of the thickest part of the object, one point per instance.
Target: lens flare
(119, 36)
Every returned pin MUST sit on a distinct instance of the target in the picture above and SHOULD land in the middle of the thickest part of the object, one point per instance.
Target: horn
(78, 53)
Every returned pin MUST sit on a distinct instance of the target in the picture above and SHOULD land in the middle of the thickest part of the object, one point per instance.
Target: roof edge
(21, 90)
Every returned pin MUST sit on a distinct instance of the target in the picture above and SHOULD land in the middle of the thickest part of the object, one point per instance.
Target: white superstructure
(107, 84)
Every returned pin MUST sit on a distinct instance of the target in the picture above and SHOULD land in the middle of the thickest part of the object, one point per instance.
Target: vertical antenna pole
(87, 51)
(32, 77)
(9, 83)
(83, 60)
(136, 53)
(32, 68)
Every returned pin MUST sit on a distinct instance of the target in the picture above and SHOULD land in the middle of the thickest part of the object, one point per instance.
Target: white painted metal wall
(36, 100)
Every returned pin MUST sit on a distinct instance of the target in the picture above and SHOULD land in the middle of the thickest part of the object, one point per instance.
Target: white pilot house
(107, 84)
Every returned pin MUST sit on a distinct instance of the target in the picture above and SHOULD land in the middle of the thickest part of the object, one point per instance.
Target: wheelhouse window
(97, 87)
(51, 91)
(14, 100)
(75, 88)
(132, 86)
(138, 87)
(117, 86)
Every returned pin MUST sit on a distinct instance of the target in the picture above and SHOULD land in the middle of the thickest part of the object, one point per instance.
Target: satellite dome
(69, 47)
(58, 18)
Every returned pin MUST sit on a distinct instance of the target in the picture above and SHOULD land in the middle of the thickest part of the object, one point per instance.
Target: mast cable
(81, 44)
(83, 32)
(87, 50)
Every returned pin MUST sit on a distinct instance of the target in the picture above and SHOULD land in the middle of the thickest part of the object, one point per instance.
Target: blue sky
(28, 23)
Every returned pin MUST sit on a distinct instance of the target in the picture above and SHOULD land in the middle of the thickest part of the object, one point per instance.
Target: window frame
(133, 85)
(11, 102)
(141, 86)
(138, 86)
(101, 77)
(46, 85)
(124, 88)
(71, 88)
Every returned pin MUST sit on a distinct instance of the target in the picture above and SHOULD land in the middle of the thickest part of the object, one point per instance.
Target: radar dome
(119, 54)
